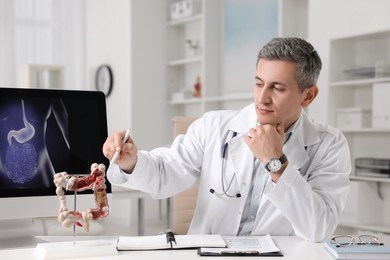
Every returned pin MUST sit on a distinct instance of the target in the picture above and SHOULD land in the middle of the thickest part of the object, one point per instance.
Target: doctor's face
(276, 94)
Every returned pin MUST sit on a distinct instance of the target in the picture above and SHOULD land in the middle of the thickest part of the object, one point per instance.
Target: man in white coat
(265, 169)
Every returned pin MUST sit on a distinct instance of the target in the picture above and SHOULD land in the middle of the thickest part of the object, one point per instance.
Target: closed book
(169, 241)
(358, 252)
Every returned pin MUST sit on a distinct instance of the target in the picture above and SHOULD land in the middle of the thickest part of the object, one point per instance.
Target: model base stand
(79, 249)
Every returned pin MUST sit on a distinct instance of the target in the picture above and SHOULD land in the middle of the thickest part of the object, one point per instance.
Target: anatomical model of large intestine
(94, 181)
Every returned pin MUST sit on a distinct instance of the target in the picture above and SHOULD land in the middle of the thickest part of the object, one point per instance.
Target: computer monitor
(44, 131)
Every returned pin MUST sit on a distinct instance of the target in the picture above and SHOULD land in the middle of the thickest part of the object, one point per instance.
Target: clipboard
(226, 252)
(244, 246)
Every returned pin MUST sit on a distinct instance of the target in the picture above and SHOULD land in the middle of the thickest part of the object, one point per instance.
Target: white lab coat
(307, 201)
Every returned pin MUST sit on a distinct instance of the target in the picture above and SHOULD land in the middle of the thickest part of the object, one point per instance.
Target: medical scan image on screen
(23, 143)
(41, 136)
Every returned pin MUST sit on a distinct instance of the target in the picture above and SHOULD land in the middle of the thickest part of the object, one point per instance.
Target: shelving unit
(357, 63)
(184, 64)
(188, 52)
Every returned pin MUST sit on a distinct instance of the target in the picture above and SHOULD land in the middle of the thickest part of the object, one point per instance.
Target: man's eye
(259, 84)
(276, 88)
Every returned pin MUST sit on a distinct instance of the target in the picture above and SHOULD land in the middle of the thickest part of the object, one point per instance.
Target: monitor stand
(18, 233)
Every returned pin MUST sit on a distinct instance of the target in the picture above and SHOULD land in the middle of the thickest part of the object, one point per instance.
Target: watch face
(274, 165)
(104, 79)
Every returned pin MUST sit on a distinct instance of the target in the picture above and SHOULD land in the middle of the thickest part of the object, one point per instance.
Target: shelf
(366, 130)
(230, 97)
(372, 179)
(359, 82)
(361, 71)
(377, 227)
(185, 101)
(186, 20)
(185, 61)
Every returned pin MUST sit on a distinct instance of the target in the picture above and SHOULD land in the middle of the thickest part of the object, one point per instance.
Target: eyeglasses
(347, 240)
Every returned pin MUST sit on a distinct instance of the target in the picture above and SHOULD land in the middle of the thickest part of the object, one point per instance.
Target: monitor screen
(43, 132)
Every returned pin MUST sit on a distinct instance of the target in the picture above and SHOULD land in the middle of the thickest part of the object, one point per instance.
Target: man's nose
(264, 96)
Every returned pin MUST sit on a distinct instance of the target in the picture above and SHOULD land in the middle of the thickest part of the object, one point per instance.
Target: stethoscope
(223, 156)
(225, 190)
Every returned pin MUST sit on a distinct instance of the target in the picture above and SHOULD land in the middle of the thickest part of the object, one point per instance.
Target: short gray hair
(298, 51)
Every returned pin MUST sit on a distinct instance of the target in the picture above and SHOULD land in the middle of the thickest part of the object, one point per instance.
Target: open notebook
(208, 245)
(169, 241)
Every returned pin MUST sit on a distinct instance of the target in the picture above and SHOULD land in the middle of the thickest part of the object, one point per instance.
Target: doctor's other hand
(127, 157)
(266, 141)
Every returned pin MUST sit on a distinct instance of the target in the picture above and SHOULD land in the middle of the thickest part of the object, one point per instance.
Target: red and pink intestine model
(94, 181)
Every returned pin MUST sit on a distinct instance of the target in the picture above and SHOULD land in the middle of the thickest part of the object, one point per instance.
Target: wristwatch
(275, 164)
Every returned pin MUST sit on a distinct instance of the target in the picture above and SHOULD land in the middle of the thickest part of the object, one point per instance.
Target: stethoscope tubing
(225, 190)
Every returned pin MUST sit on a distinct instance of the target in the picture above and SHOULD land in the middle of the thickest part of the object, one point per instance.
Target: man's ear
(310, 94)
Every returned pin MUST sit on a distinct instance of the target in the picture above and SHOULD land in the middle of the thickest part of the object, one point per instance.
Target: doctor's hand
(266, 142)
(127, 158)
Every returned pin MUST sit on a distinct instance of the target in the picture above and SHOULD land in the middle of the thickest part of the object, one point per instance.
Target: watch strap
(283, 159)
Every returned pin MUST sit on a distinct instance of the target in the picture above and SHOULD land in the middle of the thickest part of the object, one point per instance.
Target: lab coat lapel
(242, 161)
(295, 151)
(238, 151)
(303, 136)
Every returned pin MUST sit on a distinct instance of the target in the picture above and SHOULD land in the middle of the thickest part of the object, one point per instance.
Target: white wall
(108, 41)
(150, 125)
(129, 35)
(334, 19)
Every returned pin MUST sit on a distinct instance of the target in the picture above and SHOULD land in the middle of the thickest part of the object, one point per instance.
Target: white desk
(293, 248)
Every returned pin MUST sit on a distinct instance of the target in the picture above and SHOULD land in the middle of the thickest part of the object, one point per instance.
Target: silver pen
(127, 135)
